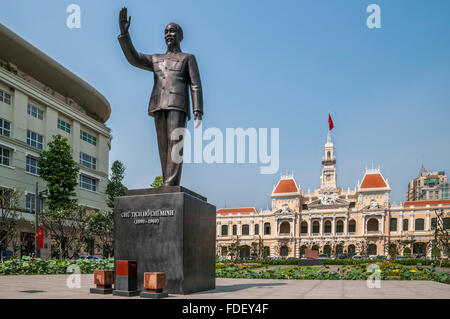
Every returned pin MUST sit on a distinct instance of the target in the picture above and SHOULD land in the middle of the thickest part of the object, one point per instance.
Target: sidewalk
(55, 287)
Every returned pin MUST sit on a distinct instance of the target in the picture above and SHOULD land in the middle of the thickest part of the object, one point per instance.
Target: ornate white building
(330, 219)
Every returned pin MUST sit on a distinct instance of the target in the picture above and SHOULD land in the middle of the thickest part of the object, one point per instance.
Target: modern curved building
(40, 98)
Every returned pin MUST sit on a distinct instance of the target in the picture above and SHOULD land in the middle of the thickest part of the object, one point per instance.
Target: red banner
(40, 237)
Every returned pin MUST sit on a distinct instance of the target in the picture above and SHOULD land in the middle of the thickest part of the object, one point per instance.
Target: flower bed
(386, 271)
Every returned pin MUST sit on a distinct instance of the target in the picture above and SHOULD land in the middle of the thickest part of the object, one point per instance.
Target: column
(333, 229)
(364, 226)
(411, 221)
(218, 229)
(321, 226)
(239, 228)
(309, 226)
(427, 226)
(400, 221)
(252, 228)
(346, 226)
(382, 224)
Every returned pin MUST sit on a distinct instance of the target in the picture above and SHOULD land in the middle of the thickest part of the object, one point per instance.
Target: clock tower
(328, 178)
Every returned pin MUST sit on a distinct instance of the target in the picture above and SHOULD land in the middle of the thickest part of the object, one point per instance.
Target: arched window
(419, 248)
(266, 251)
(405, 225)
(234, 230)
(256, 229)
(327, 227)
(419, 224)
(224, 230)
(304, 228)
(393, 225)
(315, 247)
(224, 251)
(351, 250)
(339, 227)
(266, 228)
(352, 226)
(329, 154)
(285, 228)
(339, 249)
(372, 225)
(327, 250)
(372, 249)
(245, 230)
(284, 251)
(316, 227)
(244, 252)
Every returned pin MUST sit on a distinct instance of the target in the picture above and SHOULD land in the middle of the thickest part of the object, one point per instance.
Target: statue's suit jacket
(173, 72)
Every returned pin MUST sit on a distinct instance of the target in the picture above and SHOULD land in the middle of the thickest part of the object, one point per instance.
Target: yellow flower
(413, 270)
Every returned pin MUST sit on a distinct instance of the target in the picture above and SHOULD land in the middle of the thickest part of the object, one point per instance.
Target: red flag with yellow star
(40, 237)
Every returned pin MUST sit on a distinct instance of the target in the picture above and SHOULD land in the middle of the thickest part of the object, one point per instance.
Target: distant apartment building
(428, 186)
(40, 98)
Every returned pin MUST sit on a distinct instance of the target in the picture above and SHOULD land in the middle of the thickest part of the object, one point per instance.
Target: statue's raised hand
(124, 21)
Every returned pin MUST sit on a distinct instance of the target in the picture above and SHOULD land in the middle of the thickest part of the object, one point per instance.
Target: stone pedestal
(170, 230)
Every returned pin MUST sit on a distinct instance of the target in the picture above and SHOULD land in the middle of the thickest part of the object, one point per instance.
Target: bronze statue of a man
(174, 73)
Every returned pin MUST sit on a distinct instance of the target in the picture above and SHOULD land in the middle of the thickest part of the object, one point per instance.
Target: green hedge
(406, 262)
(37, 266)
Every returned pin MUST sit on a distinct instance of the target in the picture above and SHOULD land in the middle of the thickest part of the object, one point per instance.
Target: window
(315, 228)
(419, 224)
(393, 225)
(64, 126)
(34, 139)
(32, 165)
(5, 154)
(352, 226)
(433, 223)
(339, 226)
(88, 161)
(224, 230)
(256, 229)
(447, 223)
(88, 183)
(88, 137)
(35, 112)
(304, 228)
(405, 225)
(5, 128)
(327, 228)
(5, 97)
(245, 230)
(266, 228)
(31, 203)
(234, 230)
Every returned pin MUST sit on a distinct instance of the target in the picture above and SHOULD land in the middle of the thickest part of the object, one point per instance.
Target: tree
(60, 171)
(101, 226)
(9, 202)
(67, 227)
(64, 219)
(234, 248)
(158, 182)
(115, 188)
(442, 231)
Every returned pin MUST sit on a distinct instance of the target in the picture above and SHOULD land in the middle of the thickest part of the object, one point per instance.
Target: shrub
(37, 266)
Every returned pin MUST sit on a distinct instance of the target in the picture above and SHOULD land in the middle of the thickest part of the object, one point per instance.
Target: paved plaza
(55, 286)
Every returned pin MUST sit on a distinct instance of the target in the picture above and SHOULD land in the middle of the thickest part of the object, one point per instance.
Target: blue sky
(282, 64)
